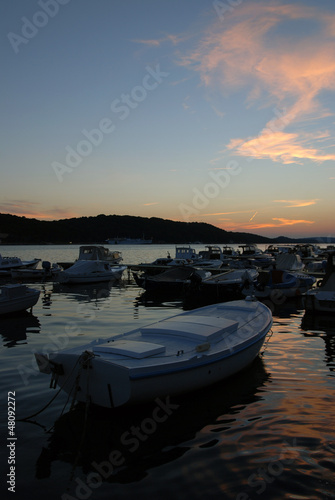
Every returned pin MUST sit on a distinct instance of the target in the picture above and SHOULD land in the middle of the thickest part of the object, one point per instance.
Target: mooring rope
(53, 398)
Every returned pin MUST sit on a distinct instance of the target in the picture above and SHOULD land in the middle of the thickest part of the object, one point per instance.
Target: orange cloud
(281, 222)
(249, 50)
(31, 210)
(229, 213)
(290, 222)
(217, 213)
(297, 203)
(278, 146)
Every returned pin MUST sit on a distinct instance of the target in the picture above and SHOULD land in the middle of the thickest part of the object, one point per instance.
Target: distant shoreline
(15, 230)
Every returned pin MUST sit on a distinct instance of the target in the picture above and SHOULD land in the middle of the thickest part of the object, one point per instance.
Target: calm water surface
(266, 434)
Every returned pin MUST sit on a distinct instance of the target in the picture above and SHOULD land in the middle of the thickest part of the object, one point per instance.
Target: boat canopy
(97, 252)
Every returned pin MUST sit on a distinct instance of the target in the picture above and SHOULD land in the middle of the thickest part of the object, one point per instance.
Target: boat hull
(185, 379)
(177, 355)
(68, 277)
(18, 302)
(8, 264)
(112, 386)
(319, 302)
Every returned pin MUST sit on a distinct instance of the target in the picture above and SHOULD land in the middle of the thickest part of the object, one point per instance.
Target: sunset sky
(193, 110)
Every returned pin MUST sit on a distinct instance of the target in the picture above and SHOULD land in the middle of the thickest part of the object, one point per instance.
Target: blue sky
(214, 111)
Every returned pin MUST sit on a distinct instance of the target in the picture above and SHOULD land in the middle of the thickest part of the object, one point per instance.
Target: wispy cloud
(297, 203)
(281, 147)
(157, 42)
(279, 222)
(150, 204)
(253, 216)
(218, 213)
(33, 210)
(230, 213)
(150, 43)
(250, 51)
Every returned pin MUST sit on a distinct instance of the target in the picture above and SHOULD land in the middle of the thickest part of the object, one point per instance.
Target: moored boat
(9, 263)
(48, 271)
(321, 299)
(96, 252)
(173, 280)
(90, 271)
(16, 298)
(287, 284)
(180, 354)
(224, 286)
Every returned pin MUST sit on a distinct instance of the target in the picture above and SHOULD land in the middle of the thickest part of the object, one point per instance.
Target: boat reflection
(14, 329)
(322, 326)
(142, 437)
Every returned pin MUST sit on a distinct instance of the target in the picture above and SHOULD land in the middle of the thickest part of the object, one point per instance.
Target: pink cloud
(249, 51)
(23, 208)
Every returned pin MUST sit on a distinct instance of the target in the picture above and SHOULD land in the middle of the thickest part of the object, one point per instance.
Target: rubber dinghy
(179, 354)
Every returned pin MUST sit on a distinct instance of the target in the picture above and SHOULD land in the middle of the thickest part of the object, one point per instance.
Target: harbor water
(267, 433)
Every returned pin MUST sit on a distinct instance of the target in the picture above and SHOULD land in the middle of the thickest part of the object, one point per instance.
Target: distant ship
(128, 241)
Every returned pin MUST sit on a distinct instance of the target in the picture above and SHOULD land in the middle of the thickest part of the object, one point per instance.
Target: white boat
(227, 285)
(9, 263)
(288, 262)
(322, 299)
(16, 297)
(48, 271)
(98, 252)
(180, 354)
(174, 280)
(250, 251)
(274, 281)
(212, 258)
(230, 251)
(187, 253)
(90, 271)
(95, 252)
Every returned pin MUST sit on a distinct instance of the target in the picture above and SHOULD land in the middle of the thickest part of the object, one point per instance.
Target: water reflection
(149, 299)
(322, 326)
(14, 329)
(86, 291)
(145, 436)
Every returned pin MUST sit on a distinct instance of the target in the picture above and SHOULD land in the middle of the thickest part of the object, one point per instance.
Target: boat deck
(216, 331)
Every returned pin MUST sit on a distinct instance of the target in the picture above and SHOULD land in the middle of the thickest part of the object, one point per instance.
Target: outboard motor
(46, 265)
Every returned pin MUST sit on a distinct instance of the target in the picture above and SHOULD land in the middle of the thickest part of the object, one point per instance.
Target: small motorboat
(48, 271)
(173, 280)
(90, 271)
(288, 284)
(9, 263)
(183, 353)
(321, 299)
(16, 298)
(289, 262)
(96, 252)
(224, 286)
(256, 257)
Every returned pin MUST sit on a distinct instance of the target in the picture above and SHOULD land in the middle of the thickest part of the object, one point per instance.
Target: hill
(22, 230)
